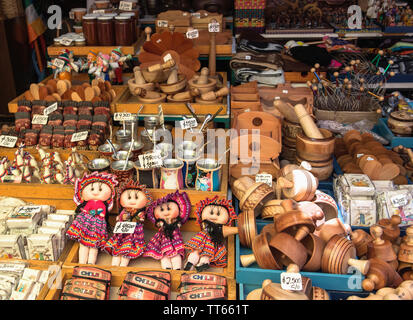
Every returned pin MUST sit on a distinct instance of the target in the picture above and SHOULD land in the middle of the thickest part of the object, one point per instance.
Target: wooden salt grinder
(391, 230)
(406, 248)
(148, 32)
(212, 52)
(307, 123)
(381, 249)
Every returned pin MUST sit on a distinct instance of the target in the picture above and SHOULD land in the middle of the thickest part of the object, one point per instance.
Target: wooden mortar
(312, 149)
(202, 82)
(307, 123)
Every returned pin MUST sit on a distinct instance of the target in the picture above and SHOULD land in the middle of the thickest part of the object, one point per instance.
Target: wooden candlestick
(148, 32)
(406, 248)
(209, 96)
(391, 230)
(157, 67)
(212, 52)
(379, 248)
(307, 123)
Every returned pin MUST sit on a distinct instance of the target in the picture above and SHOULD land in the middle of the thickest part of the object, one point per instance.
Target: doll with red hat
(133, 198)
(94, 195)
(117, 60)
(207, 247)
(168, 214)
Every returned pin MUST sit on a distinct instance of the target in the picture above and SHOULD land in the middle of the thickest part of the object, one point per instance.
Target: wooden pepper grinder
(406, 248)
(210, 96)
(391, 230)
(381, 249)
(148, 32)
(307, 123)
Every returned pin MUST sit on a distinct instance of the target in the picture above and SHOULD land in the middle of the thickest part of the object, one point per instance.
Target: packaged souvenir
(12, 246)
(203, 294)
(42, 247)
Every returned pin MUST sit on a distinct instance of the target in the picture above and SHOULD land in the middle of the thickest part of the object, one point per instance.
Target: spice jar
(106, 34)
(134, 23)
(123, 31)
(89, 23)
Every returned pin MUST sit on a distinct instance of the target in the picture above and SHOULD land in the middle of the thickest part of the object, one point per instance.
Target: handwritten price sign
(193, 34)
(59, 63)
(264, 177)
(50, 109)
(8, 141)
(162, 23)
(291, 281)
(213, 27)
(29, 210)
(151, 160)
(123, 116)
(399, 200)
(125, 227)
(125, 5)
(40, 119)
(79, 136)
(188, 123)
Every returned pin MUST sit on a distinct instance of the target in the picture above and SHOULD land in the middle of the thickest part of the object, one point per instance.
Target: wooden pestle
(173, 77)
(307, 123)
(139, 79)
(186, 94)
(156, 67)
(212, 52)
(209, 96)
(148, 32)
(203, 78)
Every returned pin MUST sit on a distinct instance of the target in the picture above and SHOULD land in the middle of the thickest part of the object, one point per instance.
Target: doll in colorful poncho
(168, 214)
(207, 247)
(133, 198)
(94, 195)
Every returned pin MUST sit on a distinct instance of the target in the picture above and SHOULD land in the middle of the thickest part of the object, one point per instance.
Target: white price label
(196, 15)
(66, 42)
(277, 98)
(285, 91)
(264, 177)
(25, 210)
(151, 160)
(123, 116)
(360, 155)
(193, 34)
(125, 227)
(79, 136)
(162, 23)
(125, 5)
(50, 109)
(8, 141)
(291, 281)
(9, 178)
(399, 200)
(167, 57)
(188, 123)
(101, 11)
(370, 158)
(213, 27)
(247, 57)
(59, 63)
(40, 119)
(71, 15)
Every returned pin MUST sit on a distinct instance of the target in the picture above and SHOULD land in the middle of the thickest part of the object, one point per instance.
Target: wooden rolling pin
(156, 67)
(307, 123)
(209, 96)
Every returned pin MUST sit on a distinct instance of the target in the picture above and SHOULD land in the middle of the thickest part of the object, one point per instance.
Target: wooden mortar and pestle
(212, 97)
(139, 82)
(381, 249)
(203, 82)
(299, 185)
(175, 83)
(380, 275)
(252, 195)
(185, 96)
(158, 73)
(391, 230)
(340, 253)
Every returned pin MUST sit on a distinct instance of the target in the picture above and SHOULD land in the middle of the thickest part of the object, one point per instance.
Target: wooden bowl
(315, 248)
(321, 170)
(315, 149)
(132, 86)
(156, 76)
(153, 100)
(339, 254)
(327, 204)
(175, 87)
(293, 219)
(247, 228)
(203, 88)
(170, 98)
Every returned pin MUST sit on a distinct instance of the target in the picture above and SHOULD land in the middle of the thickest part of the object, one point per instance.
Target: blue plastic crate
(253, 274)
(245, 289)
(395, 141)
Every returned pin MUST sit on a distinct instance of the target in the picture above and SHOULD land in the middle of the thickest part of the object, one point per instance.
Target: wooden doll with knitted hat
(124, 245)
(207, 246)
(117, 59)
(168, 214)
(94, 195)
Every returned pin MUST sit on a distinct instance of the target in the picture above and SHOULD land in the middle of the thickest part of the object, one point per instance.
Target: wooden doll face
(133, 199)
(167, 211)
(96, 191)
(215, 214)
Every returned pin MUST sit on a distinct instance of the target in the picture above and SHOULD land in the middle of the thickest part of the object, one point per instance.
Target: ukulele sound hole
(257, 122)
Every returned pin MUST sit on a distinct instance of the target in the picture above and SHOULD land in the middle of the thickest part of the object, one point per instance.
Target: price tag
(101, 11)
(167, 57)
(71, 15)
(50, 109)
(285, 91)
(291, 281)
(59, 63)
(125, 227)
(188, 123)
(125, 5)
(247, 110)
(360, 155)
(8, 141)
(151, 160)
(9, 178)
(162, 23)
(40, 119)
(264, 177)
(196, 15)
(193, 34)
(247, 57)
(370, 158)
(123, 116)
(399, 200)
(213, 27)
(79, 136)
(277, 98)
(28, 210)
